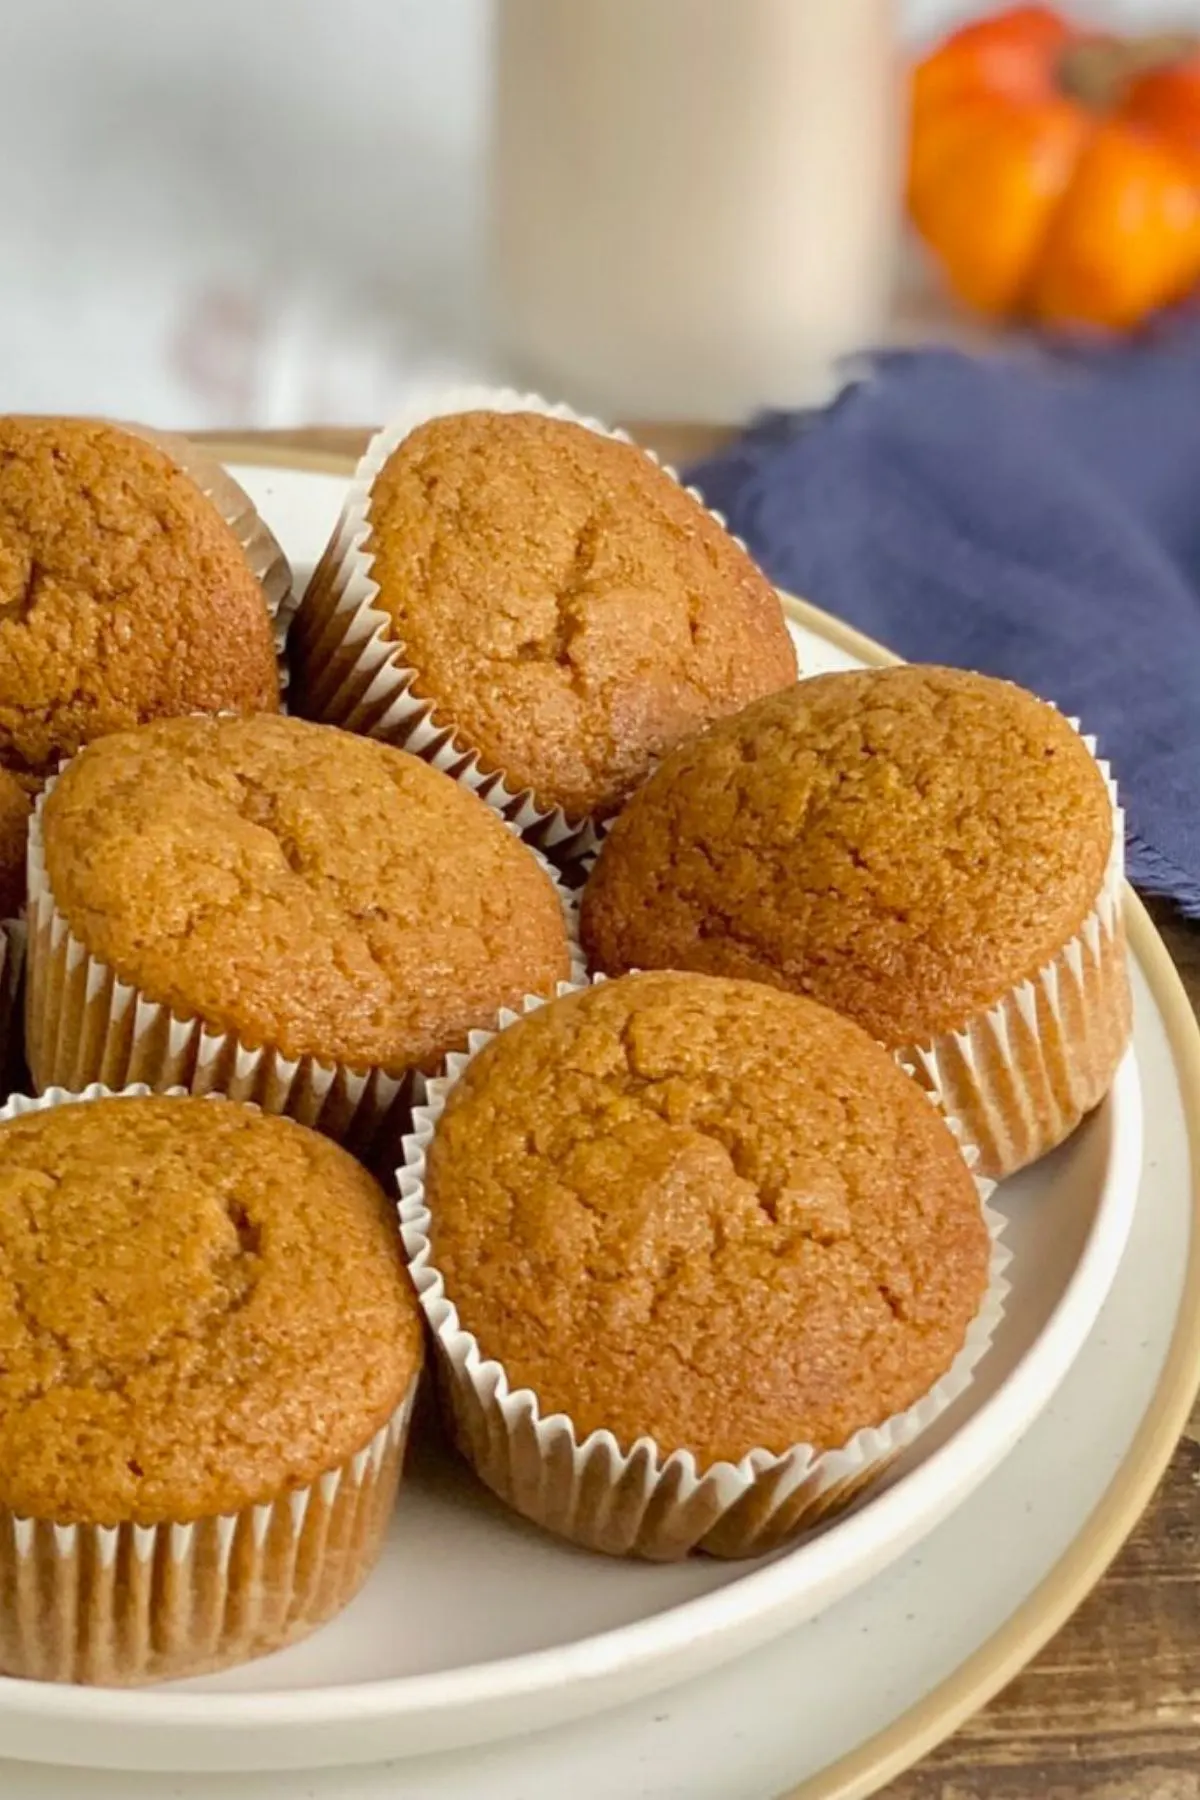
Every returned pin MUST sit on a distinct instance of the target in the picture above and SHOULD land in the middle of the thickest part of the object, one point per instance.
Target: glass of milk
(695, 203)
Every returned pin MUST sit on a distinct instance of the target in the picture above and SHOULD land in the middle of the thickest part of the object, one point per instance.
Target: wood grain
(1110, 1709)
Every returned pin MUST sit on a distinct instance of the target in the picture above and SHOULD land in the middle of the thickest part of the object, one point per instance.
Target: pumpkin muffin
(549, 595)
(14, 830)
(124, 595)
(208, 1351)
(710, 1219)
(321, 900)
(932, 853)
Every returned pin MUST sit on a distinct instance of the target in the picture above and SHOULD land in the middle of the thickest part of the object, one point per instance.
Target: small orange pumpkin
(1055, 174)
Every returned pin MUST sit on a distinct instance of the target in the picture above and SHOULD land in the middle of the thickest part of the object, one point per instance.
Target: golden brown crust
(311, 890)
(905, 845)
(200, 1307)
(14, 830)
(568, 607)
(705, 1212)
(124, 596)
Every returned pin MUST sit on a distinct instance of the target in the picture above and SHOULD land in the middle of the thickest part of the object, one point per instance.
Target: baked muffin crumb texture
(704, 1212)
(568, 607)
(200, 1306)
(311, 890)
(124, 595)
(905, 845)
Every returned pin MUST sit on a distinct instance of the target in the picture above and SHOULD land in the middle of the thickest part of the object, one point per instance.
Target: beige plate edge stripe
(881, 1758)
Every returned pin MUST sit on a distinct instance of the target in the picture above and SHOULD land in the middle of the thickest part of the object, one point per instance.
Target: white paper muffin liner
(127, 1603)
(260, 547)
(1022, 1075)
(637, 1502)
(84, 1024)
(350, 669)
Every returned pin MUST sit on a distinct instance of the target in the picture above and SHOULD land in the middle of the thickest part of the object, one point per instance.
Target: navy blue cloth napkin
(1039, 521)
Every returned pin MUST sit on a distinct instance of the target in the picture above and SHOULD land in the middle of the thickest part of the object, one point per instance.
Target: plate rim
(887, 1753)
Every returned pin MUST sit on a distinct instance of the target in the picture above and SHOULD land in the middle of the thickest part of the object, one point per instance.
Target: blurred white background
(251, 211)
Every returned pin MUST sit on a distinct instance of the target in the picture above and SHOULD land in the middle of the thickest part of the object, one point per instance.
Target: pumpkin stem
(1097, 71)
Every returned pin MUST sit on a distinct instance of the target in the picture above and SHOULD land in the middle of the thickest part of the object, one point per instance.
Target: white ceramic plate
(475, 1627)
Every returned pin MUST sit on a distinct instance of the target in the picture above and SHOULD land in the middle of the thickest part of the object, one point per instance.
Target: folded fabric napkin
(1039, 521)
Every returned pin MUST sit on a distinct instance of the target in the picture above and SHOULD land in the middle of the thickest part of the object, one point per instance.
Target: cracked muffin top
(318, 892)
(14, 829)
(200, 1307)
(124, 596)
(704, 1212)
(905, 845)
(566, 605)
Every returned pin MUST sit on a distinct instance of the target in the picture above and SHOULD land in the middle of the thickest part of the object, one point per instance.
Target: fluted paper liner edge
(637, 1502)
(1021, 1075)
(119, 1605)
(83, 1024)
(350, 665)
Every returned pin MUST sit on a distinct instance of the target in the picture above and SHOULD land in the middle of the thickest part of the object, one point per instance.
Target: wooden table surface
(1110, 1710)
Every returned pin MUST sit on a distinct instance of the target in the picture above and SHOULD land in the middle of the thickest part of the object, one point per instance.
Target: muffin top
(904, 844)
(318, 892)
(14, 829)
(705, 1212)
(124, 596)
(568, 607)
(200, 1307)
